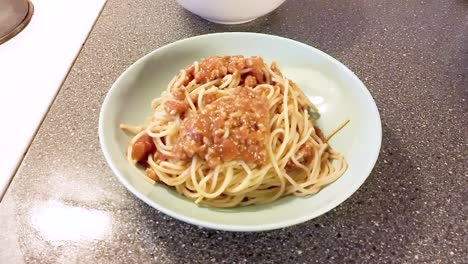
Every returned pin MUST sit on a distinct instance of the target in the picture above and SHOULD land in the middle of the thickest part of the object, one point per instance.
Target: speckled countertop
(65, 206)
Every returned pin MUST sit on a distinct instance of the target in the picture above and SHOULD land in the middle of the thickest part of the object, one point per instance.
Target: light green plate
(337, 92)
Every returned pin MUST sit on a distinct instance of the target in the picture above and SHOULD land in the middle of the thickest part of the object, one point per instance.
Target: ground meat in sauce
(215, 67)
(232, 127)
(143, 147)
(176, 107)
(250, 81)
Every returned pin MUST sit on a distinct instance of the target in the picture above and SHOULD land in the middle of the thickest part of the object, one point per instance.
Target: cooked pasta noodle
(232, 131)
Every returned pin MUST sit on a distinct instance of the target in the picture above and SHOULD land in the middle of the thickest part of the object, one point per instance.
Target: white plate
(338, 93)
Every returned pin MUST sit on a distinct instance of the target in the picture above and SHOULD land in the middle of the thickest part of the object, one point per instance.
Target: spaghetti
(232, 131)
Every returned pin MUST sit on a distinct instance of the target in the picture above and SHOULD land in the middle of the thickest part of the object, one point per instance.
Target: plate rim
(244, 228)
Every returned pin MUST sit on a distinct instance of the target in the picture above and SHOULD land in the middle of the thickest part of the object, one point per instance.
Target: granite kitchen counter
(65, 206)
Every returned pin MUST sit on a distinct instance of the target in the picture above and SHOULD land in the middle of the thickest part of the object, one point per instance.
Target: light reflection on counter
(58, 222)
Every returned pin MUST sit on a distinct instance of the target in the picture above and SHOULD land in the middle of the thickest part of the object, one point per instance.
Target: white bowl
(230, 11)
(337, 92)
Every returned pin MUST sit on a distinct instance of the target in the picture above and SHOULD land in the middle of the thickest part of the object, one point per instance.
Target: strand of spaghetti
(215, 179)
(316, 167)
(299, 165)
(169, 86)
(278, 171)
(187, 192)
(285, 120)
(190, 86)
(163, 147)
(163, 169)
(311, 179)
(292, 138)
(245, 182)
(131, 129)
(227, 179)
(225, 202)
(334, 131)
(271, 90)
(206, 85)
(161, 175)
(193, 175)
(189, 101)
(169, 130)
(181, 78)
(266, 72)
(206, 178)
(166, 151)
(235, 80)
(257, 180)
(201, 94)
(226, 81)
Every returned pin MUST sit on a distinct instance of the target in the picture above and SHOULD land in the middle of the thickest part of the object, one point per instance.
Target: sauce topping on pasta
(232, 127)
(215, 67)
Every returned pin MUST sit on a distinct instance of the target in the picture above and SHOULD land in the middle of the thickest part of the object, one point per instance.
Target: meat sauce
(215, 67)
(143, 147)
(233, 127)
(211, 68)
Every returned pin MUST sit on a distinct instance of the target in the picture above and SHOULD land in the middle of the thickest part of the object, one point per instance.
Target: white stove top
(33, 66)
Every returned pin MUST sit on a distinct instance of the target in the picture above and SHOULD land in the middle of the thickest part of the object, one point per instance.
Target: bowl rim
(243, 228)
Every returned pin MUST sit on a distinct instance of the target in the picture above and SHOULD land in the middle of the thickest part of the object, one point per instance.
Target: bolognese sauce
(216, 67)
(233, 127)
